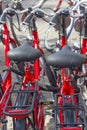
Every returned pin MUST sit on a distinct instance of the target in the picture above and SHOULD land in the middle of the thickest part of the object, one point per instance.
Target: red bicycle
(80, 27)
(27, 109)
(6, 76)
(68, 101)
(69, 108)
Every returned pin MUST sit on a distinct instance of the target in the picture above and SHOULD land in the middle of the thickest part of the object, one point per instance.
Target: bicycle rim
(50, 75)
(48, 11)
(14, 32)
(50, 39)
(20, 124)
(15, 28)
(29, 3)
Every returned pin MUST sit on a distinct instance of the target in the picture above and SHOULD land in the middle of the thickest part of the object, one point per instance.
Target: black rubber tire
(0, 8)
(20, 124)
(50, 75)
(50, 41)
(48, 11)
(13, 30)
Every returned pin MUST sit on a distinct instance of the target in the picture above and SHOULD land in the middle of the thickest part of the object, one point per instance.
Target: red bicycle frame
(84, 41)
(84, 47)
(6, 80)
(40, 116)
(31, 77)
(67, 90)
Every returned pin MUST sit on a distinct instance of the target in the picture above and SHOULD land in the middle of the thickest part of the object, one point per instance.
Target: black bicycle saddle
(25, 52)
(65, 58)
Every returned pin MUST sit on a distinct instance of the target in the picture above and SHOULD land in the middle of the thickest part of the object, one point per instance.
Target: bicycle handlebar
(71, 12)
(56, 17)
(7, 11)
(32, 11)
(37, 12)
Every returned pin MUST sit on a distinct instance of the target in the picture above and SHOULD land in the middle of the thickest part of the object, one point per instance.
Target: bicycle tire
(0, 8)
(50, 40)
(50, 75)
(29, 3)
(20, 124)
(49, 11)
(36, 2)
(13, 30)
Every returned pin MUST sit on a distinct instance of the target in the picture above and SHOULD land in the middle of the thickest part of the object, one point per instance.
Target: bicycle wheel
(0, 8)
(48, 11)
(23, 124)
(50, 75)
(30, 3)
(14, 29)
(20, 124)
(51, 38)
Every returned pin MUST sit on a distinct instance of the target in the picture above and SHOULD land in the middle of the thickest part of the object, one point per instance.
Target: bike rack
(22, 101)
(70, 112)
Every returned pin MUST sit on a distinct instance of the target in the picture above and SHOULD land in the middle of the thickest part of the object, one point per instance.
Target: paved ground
(42, 27)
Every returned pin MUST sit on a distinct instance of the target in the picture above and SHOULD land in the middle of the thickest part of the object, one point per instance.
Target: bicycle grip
(28, 19)
(7, 11)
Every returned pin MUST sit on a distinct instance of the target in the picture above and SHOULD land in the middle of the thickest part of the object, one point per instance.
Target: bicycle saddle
(65, 58)
(25, 52)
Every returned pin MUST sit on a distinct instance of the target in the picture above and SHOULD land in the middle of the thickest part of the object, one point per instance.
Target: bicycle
(27, 109)
(68, 101)
(80, 26)
(19, 5)
(54, 26)
(65, 79)
(6, 76)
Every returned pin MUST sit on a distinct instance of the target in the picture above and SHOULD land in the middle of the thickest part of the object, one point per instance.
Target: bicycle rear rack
(70, 112)
(22, 101)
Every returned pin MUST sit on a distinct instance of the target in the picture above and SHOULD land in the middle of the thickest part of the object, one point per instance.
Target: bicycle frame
(66, 96)
(6, 40)
(84, 41)
(39, 118)
(6, 79)
(31, 78)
